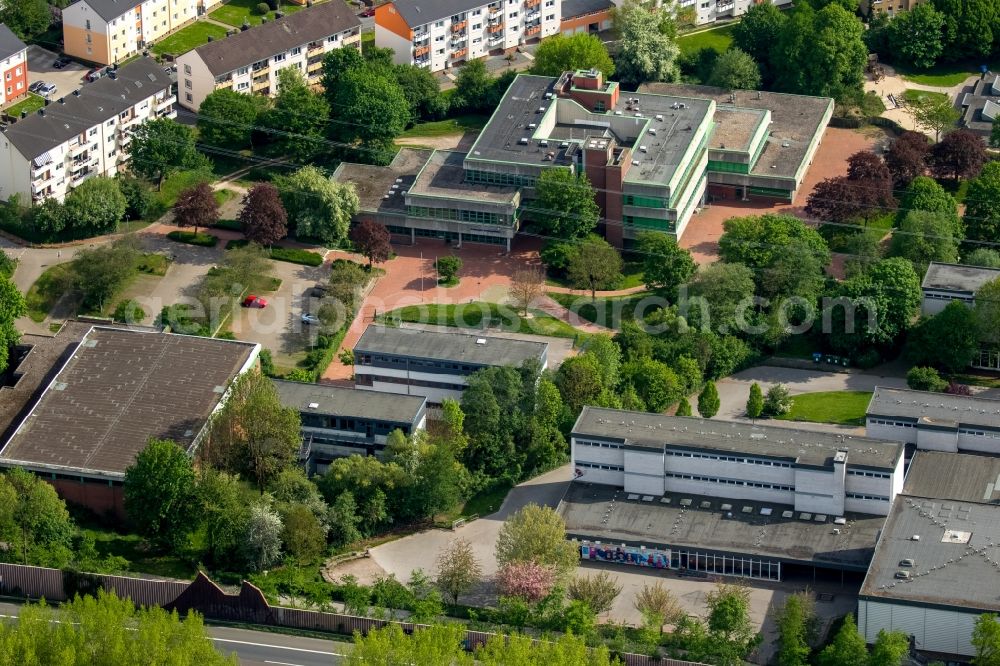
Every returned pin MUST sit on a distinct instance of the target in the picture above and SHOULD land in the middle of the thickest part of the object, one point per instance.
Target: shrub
(272, 5)
(296, 256)
(192, 238)
(231, 225)
(954, 388)
(925, 379)
(778, 402)
(129, 312)
(261, 8)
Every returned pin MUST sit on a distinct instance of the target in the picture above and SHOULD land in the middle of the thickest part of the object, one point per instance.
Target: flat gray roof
(119, 388)
(806, 447)
(930, 408)
(603, 513)
(520, 107)
(263, 41)
(958, 277)
(356, 403)
(458, 347)
(954, 560)
(796, 121)
(374, 183)
(577, 8)
(96, 102)
(955, 476)
(419, 12)
(443, 176)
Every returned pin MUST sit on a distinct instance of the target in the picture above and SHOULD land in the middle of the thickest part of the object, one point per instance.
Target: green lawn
(720, 39)
(473, 315)
(223, 195)
(152, 263)
(609, 312)
(48, 288)
(447, 127)
(178, 181)
(839, 407)
(911, 95)
(190, 37)
(31, 103)
(944, 74)
(133, 548)
(631, 276)
(235, 11)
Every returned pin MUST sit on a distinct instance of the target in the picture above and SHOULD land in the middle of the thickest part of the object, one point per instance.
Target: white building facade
(445, 33)
(84, 134)
(654, 454)
(249, 62)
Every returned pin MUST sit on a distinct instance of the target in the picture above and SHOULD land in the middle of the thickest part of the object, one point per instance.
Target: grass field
(609, 312)
(911, 95)
(475, 314)
(235, 11)
(720, 39)
(133, 548)
(839, 407)
(631, 276)
(177, 181)
(458, 125)
(31, 103)
(48, 288)
(190, 37)
(944, 74)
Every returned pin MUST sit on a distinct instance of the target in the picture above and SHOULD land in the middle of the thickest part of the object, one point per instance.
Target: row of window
(730, 482)
(870, 475)
(898, 424)
(946, 297)
(649, 223)
(692, 169)
(475, 216)
(603, 445)
(720, 166)
(369, 380)
(873, 498)
(458, 18)
(979, 433)
(645, 202)
(498, 178)
(610, 468)
(739, 459)
(366, 359)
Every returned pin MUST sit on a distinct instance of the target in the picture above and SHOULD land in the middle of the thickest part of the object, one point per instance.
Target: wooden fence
(249, 605)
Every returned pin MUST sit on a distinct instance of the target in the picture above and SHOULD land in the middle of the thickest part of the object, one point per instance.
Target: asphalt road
(257, 648)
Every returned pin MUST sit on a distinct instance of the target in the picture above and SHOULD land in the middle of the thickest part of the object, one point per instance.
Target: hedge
(231, 225)
(289, 254)
(192, 238)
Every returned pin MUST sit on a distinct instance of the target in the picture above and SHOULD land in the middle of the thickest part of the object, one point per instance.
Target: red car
(368, 12)
(254, 302)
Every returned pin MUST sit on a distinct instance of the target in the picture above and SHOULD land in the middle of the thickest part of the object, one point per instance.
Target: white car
(46, 89)
(309, 318)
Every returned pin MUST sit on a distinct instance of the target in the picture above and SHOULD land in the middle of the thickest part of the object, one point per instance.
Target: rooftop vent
(480, 341)
(915, 537)
(313, 405)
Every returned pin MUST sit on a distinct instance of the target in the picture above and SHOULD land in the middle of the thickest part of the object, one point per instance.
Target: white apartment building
(82, 134)
(13, 66)
(815, 472)
(439, 34)
(109, 31)
(935, 421)
(249, 61)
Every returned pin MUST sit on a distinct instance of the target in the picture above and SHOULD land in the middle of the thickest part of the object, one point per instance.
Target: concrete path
(895, 84)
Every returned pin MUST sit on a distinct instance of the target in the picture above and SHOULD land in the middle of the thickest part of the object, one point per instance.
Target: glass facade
(476, 216)
(728, 167)
(648, 223)
(497, 178)
(645, 202)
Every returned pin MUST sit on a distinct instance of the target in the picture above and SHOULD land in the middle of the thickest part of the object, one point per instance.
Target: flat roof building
(649, 155)
(981, 105)
(586, 16)
(815, 472)
(118, 389)
(935, 421)
(339, 421)
(249, 61)
(944, 283)
(935, 567)
(433, 364)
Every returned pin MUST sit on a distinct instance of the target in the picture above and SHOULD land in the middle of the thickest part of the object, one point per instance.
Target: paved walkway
(895, 84)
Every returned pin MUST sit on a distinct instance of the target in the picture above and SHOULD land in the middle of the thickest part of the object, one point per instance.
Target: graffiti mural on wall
(633, 555)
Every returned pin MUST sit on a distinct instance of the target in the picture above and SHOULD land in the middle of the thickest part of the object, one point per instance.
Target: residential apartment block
(935, 421)
(83, 134)
(13, 67)
(109, 31)
(339, 421)
(433, 365)
(651, 157)
(807, 471)
(439, 34)
(590, 16)
(249, 61)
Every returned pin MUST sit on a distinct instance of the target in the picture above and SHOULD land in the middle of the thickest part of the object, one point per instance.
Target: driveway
(40, 68)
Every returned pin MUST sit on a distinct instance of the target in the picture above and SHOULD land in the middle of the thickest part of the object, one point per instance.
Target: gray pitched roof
(250, 46)
(95, 103)
(574, 8)
(109, 9)
(419, 12)
(9, 43)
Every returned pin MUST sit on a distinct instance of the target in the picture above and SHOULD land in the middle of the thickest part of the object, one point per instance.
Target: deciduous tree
(297, 118)
(731, 631)
(227, 119)
(986, 640)
(646, 51)
(536, 534)
(961, 154)
(982, 256)
(916, 37)
(757, 32)
(379, 111)
(982, 205)
(472, 86)
(558, 54)
(373, 241)
(525, 580)
(196, 206)
(924, 237)
(848, 647)
(933, 112)
(26, 18)
(160, 493)
(263, 217)
(262, 539)
(12, 307)
(95, 206)
(948, 340)
(735, 70)
(303, 534)
(988, 312)
(907, 157)
(161, 145)
(793, 622)
(890, 649)
(564, 205)
(595, 265)
(448, 267)
(665, 264)
(598, 591)
(100, 272)
(317, 206)
(657, 605)
(525, 287)
(458, 570)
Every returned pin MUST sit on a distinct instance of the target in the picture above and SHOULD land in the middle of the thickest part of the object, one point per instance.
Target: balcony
(532, 3)
(41, 182)
(457, 27)
(494, 9)
(724, 5)
(314, 49)
(260, 85)
(533, 16)
(165, 103)
(494, 29)
(532, 30)
(421, 51)
(459, 39)
(421, 37)
(76, 165)
(78, 149)
(314, 66)
(459, 54)
(224, 83)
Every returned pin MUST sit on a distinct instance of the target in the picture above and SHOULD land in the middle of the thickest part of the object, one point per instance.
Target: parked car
(95, 74)
(46, 89)
(368, 12)
(252, 301)
(35, 86)
(310, 318)
(61, 62)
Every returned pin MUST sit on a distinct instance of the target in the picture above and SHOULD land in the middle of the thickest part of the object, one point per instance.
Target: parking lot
(40, 68)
